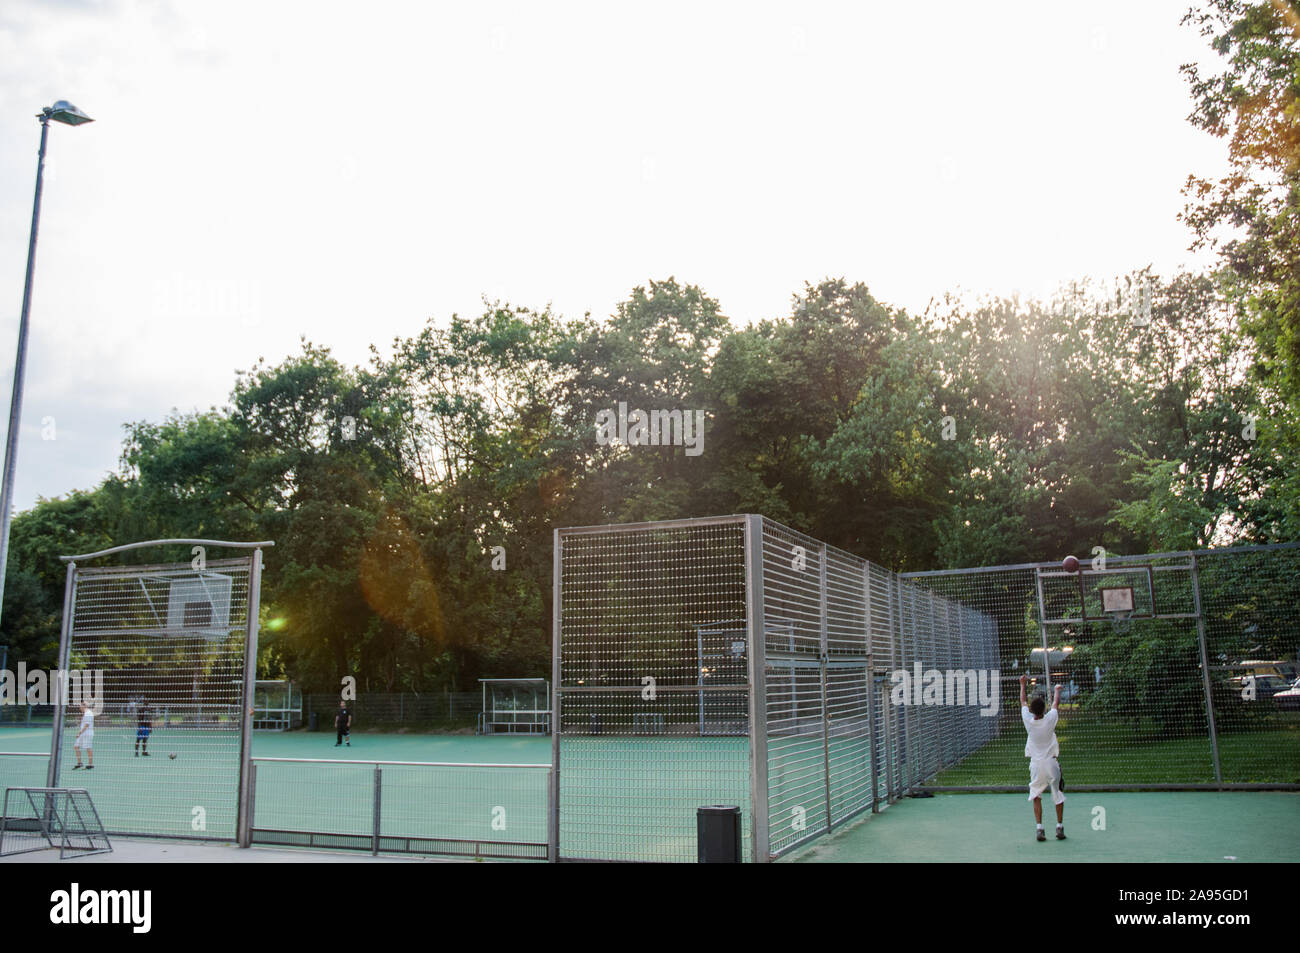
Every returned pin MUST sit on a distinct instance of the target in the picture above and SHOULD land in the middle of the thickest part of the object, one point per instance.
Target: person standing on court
(143, 727)
(85, 738)
(1042, 750)
(343, 724)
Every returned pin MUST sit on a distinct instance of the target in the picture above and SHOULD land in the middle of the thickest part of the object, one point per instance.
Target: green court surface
(160, 795)
(514, 749)
(661, 780)
(1164, 827)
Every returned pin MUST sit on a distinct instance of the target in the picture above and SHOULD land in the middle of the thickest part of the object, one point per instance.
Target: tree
(1252, 214)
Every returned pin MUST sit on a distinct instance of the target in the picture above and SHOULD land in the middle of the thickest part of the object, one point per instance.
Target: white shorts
(85, 741)
(1045, 774)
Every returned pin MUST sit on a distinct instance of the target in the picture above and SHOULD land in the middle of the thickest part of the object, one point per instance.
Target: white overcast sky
(259, 171)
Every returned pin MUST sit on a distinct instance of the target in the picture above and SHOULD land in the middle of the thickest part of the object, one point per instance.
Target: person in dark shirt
(343, 724)
(143, 728)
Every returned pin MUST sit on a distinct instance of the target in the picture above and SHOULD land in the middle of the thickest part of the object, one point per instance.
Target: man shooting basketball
(1042, 749)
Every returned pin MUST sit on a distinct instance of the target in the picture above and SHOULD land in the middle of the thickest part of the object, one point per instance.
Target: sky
(263, 171)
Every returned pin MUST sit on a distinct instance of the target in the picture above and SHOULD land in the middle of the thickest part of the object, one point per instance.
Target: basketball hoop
(1121, 620)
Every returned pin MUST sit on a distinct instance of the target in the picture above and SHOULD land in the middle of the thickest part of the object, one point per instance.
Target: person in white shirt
(85, 737)
(1042, 750)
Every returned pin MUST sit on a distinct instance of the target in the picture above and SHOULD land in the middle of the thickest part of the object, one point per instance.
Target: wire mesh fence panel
(1175, 668)
(884, 660)
(659, 628)
(795, 611)
(652, 685)
(848, 716)
(482, 810)
(379, 710)
(22, 714)
(159, 653)
(998, 623)
(334, 798)
(1250, 605)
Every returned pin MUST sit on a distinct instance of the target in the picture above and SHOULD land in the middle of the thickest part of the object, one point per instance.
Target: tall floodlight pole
(68, 114)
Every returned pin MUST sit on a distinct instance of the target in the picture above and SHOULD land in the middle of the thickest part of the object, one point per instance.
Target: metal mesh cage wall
(169, 641)
(651, 682)
(1193, 688)
(735, 660)
(839, 633)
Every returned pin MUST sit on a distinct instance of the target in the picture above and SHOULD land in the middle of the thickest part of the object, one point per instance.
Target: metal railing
(487, 810)
(20, 769)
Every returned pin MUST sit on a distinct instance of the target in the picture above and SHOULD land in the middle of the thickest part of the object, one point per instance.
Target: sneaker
(337, 745)
(77, 768)
(90, 767)
(146, 754)
(1042, 834)
(349, 744)
(1060, 833)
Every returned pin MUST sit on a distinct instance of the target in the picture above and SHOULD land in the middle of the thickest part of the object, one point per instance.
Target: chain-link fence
(1177, 669)
(386, 711)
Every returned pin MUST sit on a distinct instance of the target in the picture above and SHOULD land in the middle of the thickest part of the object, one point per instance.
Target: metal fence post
(242, 812)
(902, 754)
(377, 810)
(870, 689)
(1205, 670)
(65, 643)
(756, 626)
(1042, 630)
(557, 721)
(823, 652)
(252, 802)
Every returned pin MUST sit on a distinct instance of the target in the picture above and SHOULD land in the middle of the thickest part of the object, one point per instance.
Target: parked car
(1289, 699)
(1266, 686)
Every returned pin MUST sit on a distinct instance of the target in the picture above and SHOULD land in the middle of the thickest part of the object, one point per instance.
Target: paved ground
(178, 852)
(1129, 827)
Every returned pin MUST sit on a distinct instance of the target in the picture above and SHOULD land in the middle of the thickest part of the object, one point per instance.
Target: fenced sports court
(434, 795)
(733, 660)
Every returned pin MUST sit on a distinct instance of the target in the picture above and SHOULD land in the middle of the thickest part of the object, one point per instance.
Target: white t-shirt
(1042, 733)
(87, 722)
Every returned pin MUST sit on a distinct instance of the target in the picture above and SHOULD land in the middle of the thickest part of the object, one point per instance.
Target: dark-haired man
(343, 724)
(1042, 750)
(143, 727)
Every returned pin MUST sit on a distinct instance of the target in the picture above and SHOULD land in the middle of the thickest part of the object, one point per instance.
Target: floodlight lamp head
(66, 113)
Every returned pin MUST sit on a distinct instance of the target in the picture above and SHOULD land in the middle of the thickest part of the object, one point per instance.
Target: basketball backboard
(1135, 590)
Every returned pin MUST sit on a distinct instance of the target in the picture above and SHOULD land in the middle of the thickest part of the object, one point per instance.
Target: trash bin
(313, 721)
(718, 834)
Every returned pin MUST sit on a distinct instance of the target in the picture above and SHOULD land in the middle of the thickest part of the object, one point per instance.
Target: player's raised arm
(1022, 690)
(1056, 699)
